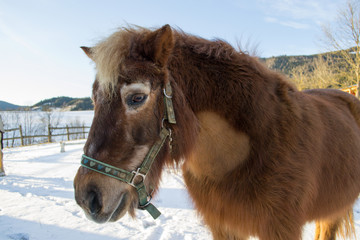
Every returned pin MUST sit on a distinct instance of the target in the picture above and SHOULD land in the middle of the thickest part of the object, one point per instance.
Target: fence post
(62, 146)
(21, 136)
(83, 130)
(68, 132)
(49, 133)
(2, 171)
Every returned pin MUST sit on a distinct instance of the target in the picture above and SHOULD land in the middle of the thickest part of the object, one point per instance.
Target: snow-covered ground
(37, 203)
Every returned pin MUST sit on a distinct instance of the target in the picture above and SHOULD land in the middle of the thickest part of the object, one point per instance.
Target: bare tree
(318, 74)
(29, 125)
(322, 74)
(49, 117)
(344, 36)
(300, 76)
(6, 117)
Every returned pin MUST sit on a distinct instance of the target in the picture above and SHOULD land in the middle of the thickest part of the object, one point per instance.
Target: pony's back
(340, 168)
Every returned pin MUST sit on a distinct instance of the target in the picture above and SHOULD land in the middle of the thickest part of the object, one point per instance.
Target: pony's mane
(110, 53)
(216, 48)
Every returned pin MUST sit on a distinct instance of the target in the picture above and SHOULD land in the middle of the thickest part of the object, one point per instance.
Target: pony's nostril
(94, 203)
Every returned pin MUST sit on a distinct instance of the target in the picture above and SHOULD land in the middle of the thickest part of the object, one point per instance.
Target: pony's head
(130, 113)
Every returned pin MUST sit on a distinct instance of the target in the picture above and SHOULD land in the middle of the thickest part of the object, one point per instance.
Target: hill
(5, 106)
(325, 70)
(286, 64)
(65, 103)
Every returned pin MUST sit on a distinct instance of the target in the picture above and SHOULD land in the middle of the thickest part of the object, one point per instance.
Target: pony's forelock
(109, 56)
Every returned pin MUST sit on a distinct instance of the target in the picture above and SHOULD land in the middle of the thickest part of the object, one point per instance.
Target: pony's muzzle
(91, 202)
(101, 199)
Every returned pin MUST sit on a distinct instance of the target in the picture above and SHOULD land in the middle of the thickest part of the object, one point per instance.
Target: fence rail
(68, 131)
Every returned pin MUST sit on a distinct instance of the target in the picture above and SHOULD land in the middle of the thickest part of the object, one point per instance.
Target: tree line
(327, 70)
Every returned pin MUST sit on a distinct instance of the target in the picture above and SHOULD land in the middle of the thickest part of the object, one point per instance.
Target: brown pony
(259, 157)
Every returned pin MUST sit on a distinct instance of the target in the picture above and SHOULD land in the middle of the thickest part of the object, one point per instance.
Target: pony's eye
(136, 99)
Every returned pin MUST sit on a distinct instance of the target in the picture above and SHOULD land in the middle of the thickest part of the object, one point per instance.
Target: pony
(259, 158)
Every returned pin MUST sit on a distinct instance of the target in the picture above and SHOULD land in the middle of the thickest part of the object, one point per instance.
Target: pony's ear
(88, 52)
(159, 44)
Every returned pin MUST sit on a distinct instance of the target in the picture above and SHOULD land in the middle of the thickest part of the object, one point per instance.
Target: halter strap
(131, 177)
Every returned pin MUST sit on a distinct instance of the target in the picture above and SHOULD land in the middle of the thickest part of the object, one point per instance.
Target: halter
(130, 177)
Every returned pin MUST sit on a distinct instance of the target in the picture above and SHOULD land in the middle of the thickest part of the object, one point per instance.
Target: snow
(37, 202)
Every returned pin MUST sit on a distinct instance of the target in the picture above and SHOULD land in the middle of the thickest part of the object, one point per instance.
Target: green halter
(130, 177)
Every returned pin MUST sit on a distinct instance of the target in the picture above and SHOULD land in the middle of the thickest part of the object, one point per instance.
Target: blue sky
(40, 39)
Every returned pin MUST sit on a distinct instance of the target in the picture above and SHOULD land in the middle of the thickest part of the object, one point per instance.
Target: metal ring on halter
(147, 203)
(166, 94)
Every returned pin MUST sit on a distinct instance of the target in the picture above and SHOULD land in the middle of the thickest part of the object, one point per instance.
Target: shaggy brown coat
(260, 158)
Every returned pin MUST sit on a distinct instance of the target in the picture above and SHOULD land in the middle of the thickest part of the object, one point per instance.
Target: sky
(40, 55)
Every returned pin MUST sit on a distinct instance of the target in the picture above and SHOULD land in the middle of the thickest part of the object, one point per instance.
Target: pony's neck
(214, 78)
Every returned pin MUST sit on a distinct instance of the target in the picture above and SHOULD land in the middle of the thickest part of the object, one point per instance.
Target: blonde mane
(109, 56)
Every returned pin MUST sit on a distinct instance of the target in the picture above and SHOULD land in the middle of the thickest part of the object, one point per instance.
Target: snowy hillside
(37, 203)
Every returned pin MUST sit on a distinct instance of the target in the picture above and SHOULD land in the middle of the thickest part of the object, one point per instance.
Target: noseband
(140, 174)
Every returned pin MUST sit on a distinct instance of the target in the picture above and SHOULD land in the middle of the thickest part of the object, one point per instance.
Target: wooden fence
(68, 131)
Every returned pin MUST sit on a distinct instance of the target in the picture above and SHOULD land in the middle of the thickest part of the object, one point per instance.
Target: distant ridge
(5, 106)
(63, 103)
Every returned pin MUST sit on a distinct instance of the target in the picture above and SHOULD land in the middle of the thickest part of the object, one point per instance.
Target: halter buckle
(170, 113)
(136, 174)
(166, 95)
